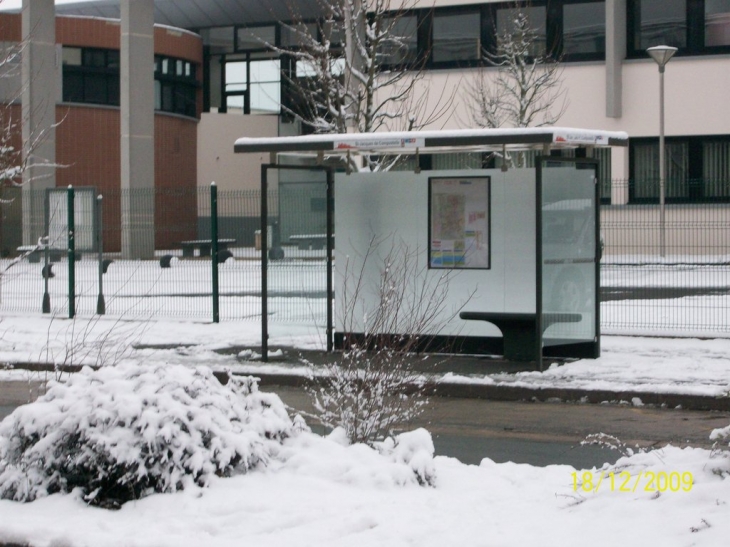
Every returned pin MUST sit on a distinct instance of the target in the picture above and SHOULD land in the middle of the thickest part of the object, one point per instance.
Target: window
(717, 23)
(90, 75)
(265, 90)
(72, 56)
(695, 27)
(255, 38)
(536, 18)
(298, 35)
(253, 85)
(402, 45)
(716, 168)
(456, 37)
(175, 86)
(697, 169)
(218, 40)
(660, 22)
(573, 30)
(646, 170)
(584, 28)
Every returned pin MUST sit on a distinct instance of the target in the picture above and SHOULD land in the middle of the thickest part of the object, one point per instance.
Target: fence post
(264, 264)
(214, 247)
(71, 254)
(330, 248)
(100, 303)
(46, 307)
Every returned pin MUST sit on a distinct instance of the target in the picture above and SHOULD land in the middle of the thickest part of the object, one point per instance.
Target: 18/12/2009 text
(646, 481)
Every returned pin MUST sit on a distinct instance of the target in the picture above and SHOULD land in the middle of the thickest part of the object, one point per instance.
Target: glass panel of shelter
(568, 242)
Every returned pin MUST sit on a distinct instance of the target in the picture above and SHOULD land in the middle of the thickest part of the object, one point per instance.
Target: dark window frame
(105, 72)
(451, 12)
(693, 183)
(183, 88)
(557, 33)
(695, 25)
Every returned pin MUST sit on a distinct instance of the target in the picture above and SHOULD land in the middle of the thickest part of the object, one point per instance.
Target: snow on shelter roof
(436, 141)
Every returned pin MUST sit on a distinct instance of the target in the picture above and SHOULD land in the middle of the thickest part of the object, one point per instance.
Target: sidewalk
(687, 372)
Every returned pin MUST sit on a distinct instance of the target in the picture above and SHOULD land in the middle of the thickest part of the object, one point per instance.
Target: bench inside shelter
(519, 330)
(204, 246)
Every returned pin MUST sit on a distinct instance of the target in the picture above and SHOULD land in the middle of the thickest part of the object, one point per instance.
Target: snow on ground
(644, 364)
(323, 492)
(329, 494)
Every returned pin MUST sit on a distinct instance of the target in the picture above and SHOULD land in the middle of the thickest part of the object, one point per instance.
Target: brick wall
(88, 137)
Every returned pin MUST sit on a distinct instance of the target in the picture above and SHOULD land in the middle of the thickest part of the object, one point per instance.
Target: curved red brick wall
(88, 137)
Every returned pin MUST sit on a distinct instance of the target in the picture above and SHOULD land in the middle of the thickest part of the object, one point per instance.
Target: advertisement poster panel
(459, 223)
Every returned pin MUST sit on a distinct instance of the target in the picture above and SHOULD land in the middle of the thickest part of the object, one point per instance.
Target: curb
(492, 392)
(517, 393)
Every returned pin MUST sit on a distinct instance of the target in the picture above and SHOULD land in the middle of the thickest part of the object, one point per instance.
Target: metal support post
(100, 303)
(214, 248)
(71, 254)
(264, 265)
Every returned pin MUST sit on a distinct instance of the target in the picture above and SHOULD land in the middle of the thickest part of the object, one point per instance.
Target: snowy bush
(721, 434)
(368, 394)
(414, 449)
(124, 432)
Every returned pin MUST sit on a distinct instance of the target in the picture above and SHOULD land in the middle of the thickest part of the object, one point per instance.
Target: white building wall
(695, 99)
(216, 160)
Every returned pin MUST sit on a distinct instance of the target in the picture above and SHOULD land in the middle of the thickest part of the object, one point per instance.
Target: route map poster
(459, 223)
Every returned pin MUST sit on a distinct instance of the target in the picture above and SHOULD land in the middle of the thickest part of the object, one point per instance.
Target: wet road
(547, 433)
(522, 432)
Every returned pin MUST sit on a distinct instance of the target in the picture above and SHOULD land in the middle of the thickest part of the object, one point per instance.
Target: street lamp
(661, 54)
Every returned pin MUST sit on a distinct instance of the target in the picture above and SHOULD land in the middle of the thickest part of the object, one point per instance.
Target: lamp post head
(661, 54)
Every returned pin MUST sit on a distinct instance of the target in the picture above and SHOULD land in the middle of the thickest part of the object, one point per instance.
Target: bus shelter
(520, 245)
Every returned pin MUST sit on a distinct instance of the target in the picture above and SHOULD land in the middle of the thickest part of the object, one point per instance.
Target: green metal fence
(175, 276)
(664, 271)
(682, 287)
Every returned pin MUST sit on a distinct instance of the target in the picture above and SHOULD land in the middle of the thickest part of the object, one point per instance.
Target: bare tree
(358, 69)
(20, 159)
(375, 387)
(518, 85)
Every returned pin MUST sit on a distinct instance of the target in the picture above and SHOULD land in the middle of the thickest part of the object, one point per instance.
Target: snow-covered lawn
(324, 493)
(319, 491)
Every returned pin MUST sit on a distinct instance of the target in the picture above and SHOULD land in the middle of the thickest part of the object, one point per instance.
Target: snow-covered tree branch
(358, 69)
(518, 85)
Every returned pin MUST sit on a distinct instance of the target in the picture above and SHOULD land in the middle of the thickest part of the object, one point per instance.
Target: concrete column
(620, 176)
(38, 112)
(137, 97)
(615, 54)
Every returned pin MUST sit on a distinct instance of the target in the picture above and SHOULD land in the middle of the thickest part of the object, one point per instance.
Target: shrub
(720, 435)
(375, 389)
(124, 432)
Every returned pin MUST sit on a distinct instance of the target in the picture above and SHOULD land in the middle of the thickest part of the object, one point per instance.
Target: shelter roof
(437, 141)
(197, 14)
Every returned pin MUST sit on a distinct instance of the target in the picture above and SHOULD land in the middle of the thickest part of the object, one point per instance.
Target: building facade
(87, 114)
(609, 80)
